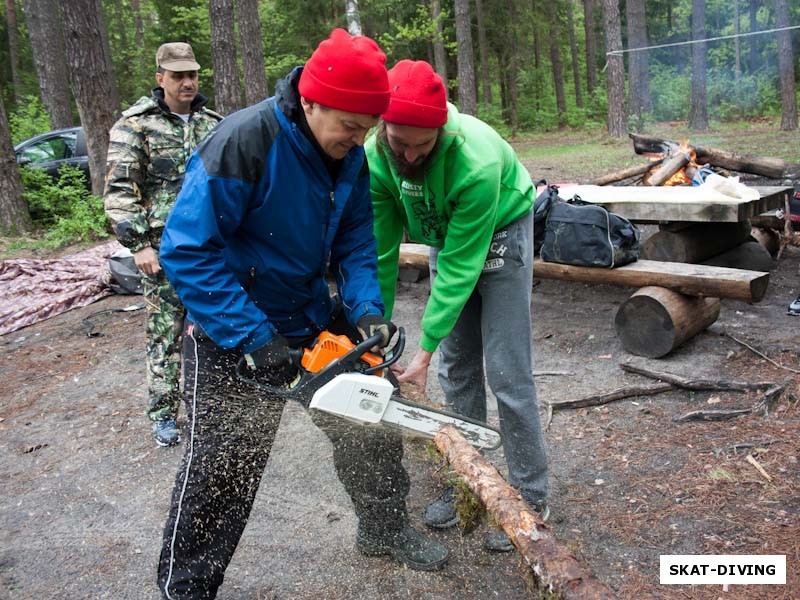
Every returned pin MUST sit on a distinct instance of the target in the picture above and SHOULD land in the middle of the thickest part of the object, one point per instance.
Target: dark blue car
(50, 150)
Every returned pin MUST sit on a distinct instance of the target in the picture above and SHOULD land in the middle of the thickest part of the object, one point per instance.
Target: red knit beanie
(418, 95)
(348, 73)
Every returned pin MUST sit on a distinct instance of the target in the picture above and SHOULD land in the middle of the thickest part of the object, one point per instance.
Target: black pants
(231, 426)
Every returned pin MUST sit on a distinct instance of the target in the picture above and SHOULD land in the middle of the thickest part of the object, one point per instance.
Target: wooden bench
(675, 300)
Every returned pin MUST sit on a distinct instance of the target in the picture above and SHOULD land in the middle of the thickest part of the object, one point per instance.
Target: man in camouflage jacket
(147, 157)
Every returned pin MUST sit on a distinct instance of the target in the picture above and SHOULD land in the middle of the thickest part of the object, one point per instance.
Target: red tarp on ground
(32, 290)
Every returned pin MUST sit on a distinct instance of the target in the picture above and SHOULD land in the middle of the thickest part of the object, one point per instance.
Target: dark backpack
(541, 206)
(587, 235)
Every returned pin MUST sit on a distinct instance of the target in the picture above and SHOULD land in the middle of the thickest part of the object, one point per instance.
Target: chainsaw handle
(396, 351)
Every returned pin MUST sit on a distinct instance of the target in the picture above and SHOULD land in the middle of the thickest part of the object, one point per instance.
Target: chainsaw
(341, 378)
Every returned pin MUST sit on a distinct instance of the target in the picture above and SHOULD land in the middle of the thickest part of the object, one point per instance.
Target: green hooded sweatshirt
(474, 186)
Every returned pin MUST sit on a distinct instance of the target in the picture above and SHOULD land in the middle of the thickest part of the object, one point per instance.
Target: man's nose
(411, 155)
(359, 138)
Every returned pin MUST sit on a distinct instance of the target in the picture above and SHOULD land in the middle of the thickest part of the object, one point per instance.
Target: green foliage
(64, 208)
(671, 93)
(28, 119)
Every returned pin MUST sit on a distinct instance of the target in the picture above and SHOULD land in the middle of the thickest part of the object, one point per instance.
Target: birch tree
(353, 17)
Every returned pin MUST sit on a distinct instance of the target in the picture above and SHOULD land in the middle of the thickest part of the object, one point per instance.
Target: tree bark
(90, 82)
(573, 47)
(786, 68)
(511, 75)
(13, 47)
(138, 26)
(46, 31)
(439, 52)
(483, 53)
(754, 39)
(14, 217)
(255, 76)
(615, 74)
(112, 80)
(466, 70)
(552, 565)
(737, 44)
(227, 85)
(554, 40)
(591, 45)
(698, 114)
(353, 17)
(639, 92)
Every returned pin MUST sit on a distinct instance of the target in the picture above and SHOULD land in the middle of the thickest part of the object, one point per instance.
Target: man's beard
(413, 171)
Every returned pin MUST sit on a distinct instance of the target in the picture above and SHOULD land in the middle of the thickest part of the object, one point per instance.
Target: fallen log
(691, 383)
(554, 569)
(712, 415)
(774, 168)
(625, 173)
(654, 320)
(750, 255)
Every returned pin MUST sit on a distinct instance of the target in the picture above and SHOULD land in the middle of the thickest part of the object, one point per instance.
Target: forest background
(528, 67)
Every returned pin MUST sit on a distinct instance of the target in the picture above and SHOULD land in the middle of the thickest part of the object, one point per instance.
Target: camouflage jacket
(147, 156)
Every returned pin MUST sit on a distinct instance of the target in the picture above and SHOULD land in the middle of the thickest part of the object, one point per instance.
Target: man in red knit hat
(451, 182)
(277, 196)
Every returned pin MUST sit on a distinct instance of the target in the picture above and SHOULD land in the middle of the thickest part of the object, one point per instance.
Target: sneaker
(166, 432)
(408, 546)
(497, 540)
(441, 513)
(794, 307)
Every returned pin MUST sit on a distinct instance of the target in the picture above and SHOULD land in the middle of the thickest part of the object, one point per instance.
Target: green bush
(29, 119)
(670, 92)
(64, 208)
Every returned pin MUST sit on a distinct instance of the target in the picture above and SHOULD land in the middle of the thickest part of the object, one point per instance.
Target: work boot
(408, 546)
(441, 513)
(497, 540)
(794, 308)
(166, 433)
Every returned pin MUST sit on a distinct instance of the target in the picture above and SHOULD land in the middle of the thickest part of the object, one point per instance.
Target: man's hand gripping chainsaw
(347, 380)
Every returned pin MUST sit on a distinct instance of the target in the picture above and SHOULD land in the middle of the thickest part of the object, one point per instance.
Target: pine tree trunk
(513, 57)
(466, 70)
(754, 41)
(227, 85)
(639, 92)
(439, 52)
(698, 114)
(13, 47)
(255, 76)
(353, 17)
(90, 82)
(46, 31)
(138, 27)
(555, 61)
(591, 45)
(615, 74)
(483, 53)
(737, 45)
(14, 217)
(786, 68)
(573, 47)
(112, 81)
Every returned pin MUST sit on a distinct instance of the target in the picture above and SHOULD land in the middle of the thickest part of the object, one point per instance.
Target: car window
(54, 148)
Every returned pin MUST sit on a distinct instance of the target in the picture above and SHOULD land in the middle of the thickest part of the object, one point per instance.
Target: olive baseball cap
(176, 56)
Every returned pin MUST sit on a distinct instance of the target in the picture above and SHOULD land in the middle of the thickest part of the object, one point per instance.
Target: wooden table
(685, 204)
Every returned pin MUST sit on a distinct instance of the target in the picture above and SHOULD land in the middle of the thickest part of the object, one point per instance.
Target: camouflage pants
(165, 315)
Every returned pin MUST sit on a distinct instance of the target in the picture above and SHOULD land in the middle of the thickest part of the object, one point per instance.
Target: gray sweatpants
(495, 326)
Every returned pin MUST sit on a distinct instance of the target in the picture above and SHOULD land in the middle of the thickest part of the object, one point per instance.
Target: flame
(680, 177)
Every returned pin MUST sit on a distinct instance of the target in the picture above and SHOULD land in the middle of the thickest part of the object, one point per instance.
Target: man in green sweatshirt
(453, 183)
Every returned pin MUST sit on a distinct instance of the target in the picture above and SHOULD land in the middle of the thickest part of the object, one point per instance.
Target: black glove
(370, 324)
(272, 363)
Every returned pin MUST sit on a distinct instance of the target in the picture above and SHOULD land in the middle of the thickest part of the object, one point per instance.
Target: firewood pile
(673, 163)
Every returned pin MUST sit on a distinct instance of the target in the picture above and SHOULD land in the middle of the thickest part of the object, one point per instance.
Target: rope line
(714, 39)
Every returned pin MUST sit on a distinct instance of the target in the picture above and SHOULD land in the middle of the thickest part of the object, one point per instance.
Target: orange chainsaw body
(330, 347)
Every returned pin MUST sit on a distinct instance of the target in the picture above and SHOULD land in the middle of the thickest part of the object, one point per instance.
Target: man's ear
(308, 106)
(159, 78)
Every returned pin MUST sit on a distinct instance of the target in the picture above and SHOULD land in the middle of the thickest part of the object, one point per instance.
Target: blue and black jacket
(260, 220)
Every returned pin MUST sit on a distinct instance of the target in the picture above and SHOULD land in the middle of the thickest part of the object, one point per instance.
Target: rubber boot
(407, 546)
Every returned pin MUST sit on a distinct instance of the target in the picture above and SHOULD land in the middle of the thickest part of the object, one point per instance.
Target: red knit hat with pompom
(418, 95)
(348, 73)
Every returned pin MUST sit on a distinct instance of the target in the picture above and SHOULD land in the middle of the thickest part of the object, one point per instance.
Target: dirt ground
(85, 490)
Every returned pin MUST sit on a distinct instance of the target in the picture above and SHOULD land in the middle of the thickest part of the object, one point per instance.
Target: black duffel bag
(587, 235)
(541, 207)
